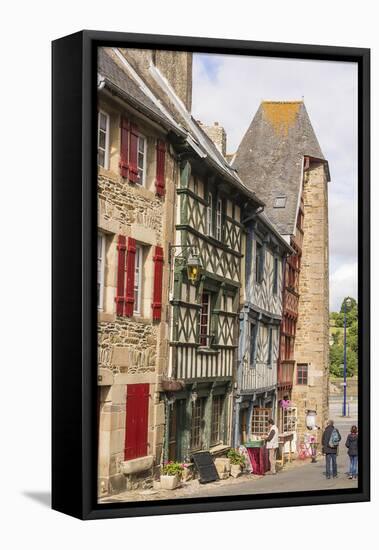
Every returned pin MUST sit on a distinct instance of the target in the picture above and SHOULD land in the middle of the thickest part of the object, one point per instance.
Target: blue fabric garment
(331, 464)
(353, 465)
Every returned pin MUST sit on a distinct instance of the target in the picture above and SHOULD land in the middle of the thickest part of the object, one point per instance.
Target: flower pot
(235, 470)
(169, 482)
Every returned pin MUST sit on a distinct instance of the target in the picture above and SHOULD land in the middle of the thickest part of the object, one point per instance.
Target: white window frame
(275, 283)
(219, 219)
(210, 215)
(270, 346)
(208, 325)
(253, 342)
(142, 182)
(106, 150)
(101, 272)
(138, 266)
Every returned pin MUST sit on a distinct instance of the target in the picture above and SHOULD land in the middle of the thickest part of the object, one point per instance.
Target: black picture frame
(74, 437)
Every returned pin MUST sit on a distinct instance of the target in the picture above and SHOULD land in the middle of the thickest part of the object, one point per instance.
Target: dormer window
(209, 215)
(280, 202)
(219, 220)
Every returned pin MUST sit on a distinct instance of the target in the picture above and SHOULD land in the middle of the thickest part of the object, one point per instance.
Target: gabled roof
(147, 88)
(131, 90)
(270, 158)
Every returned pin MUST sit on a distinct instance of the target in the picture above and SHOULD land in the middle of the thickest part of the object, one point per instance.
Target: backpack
(335, 438)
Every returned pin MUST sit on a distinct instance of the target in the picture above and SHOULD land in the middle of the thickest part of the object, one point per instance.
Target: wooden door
(137, 412)
(176, 430)
(243, 425)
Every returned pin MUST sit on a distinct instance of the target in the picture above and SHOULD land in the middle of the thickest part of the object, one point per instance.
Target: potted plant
(171, 474)
(237, 462)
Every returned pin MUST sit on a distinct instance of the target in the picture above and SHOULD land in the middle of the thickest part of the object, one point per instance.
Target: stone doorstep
(137, 465)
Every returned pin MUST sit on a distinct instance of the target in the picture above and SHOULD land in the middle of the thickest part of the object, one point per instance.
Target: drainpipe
(236, 435)
(238, 400)
(166, 430)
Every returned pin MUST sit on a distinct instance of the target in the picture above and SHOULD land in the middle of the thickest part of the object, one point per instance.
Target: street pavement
(301, 475)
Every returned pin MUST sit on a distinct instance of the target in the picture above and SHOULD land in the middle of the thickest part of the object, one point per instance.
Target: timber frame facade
(204, 329)
(186, 365)
(280, 158)
(260, 321)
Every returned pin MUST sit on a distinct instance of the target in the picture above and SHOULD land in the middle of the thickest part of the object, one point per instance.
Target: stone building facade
(169, 367)
(137, 172)
(310, 390)
(280, 158)
(145, 220)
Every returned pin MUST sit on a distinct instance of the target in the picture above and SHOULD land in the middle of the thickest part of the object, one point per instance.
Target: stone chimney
(177, 68)
(218, 135)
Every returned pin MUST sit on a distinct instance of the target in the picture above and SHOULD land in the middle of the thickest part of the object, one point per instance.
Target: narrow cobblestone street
(298, 476)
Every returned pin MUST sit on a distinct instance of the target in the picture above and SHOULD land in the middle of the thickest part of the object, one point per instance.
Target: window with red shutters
(120, 297)
(124, 148)
(136, 426)
(158, 279)
(160, 174)
(130, 273)
(133, 154)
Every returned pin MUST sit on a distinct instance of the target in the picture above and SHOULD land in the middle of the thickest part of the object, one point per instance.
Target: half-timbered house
(136, 190)
(265, 252)
(204, 331)
(167, 341)
(280, 158)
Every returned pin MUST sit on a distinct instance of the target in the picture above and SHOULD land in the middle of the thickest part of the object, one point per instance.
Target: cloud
(343, 282)
(229, 89)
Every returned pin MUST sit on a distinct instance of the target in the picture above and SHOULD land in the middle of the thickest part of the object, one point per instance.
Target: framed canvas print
(210, 275)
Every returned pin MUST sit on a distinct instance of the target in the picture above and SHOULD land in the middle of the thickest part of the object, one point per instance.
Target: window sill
(104, 317)
(136, 465)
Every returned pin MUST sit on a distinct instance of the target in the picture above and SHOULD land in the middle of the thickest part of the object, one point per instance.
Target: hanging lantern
(311, 420)
(194, 268)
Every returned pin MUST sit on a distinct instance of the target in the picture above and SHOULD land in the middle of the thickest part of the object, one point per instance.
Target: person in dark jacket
(329, 449)
(352, 451)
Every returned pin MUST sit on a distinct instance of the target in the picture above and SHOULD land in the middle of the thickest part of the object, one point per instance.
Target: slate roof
(269, 158)
(119, 80)
(150, 91)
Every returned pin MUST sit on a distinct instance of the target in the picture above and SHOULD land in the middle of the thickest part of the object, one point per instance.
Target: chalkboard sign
(204, 464)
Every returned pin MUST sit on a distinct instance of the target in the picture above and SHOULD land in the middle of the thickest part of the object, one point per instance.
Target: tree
(352, 337)
(336, 357)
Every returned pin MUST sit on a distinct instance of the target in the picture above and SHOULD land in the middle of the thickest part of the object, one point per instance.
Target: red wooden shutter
(133, 154)
(137, 411)
(160, 174)
(129, 287)
(120, 297)
(124, 148)
(158, 275)
(142, 421)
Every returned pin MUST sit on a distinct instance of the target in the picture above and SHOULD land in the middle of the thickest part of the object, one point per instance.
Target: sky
(229, 89)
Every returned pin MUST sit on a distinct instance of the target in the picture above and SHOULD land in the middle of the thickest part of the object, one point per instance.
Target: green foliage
(172, 468)
(336, 355)
(351, 304)
(236, 458)
(352, 337)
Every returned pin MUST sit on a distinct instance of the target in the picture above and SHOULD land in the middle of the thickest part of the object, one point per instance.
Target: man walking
(330, 441)
(272, 444)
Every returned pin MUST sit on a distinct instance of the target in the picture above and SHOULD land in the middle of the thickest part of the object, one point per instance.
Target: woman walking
(352, 451)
